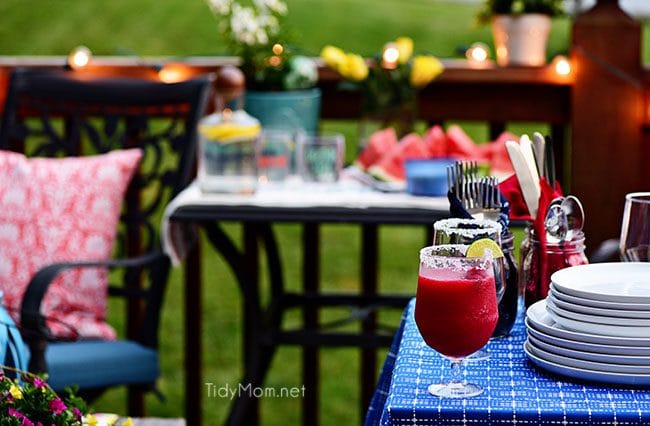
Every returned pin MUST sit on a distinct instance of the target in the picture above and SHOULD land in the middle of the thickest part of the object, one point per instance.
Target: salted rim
(453, 224)
(431, 260)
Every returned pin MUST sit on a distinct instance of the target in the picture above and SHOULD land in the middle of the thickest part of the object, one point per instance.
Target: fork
(479, 196)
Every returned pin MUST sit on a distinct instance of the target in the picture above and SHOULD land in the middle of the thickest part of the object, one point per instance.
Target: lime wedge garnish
(480, 248)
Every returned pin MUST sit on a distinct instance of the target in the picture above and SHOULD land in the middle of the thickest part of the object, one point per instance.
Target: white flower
(275, 6)
(221, 7)
(246, 27)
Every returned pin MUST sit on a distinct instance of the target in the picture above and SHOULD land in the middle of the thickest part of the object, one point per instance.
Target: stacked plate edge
(595, 324)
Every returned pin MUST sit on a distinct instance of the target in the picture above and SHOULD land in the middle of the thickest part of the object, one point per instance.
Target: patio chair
(61, 114)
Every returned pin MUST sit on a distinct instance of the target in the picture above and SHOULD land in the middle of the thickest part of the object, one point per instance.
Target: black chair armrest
(33, 323)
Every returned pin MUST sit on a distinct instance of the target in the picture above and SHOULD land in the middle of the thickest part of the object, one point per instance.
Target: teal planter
(291, 110)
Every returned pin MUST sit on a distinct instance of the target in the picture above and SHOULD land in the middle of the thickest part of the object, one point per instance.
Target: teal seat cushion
(96, 364)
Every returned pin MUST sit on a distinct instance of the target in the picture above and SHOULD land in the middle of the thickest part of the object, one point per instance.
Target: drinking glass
(466, 231)
(455, 310)
(635, 230)
(320, 156)
(274, 153)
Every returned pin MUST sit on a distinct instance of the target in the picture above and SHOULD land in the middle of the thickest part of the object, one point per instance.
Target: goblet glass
(455, 309)
(635, 229)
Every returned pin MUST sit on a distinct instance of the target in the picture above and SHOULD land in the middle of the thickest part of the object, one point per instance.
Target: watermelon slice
(390, 167)
(436, 142)
(379, 144)
(497, 155)
(459, 145)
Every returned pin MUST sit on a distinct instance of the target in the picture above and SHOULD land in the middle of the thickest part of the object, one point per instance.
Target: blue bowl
(427, 177)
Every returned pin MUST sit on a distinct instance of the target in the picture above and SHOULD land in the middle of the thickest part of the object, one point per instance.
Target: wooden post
(607, 115)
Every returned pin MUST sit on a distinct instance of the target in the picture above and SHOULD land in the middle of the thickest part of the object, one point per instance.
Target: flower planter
(291, 110)
(521, 39)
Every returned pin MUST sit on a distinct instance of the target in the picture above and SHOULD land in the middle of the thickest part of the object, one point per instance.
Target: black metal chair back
(59, 114)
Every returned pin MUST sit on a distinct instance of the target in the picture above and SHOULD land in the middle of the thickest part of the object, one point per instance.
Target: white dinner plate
(598, 319)
(593, 328)
(590, 356)
(627, 282)
(586, 374)
(586, 346)
(541, 320)
(599, 303)
(588, 365)
(576, 304)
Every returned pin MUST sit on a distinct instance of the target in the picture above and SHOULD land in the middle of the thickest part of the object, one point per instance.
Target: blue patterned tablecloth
(516, 392)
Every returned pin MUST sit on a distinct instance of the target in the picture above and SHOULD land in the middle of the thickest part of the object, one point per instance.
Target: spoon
(574, 212)
(556, 223)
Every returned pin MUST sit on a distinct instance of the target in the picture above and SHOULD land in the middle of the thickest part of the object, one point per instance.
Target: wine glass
(635, 230)
(455, 309)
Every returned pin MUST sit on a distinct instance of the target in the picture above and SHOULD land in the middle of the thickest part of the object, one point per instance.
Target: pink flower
(77, 413)
(20, 416)
(57, 406)
(38, 383)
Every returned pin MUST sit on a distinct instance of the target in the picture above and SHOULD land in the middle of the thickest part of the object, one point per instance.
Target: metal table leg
(310, 364)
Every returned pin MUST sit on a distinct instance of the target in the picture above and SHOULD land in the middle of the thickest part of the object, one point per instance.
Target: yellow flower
(355, 67)
(15, 392)
(90, 420)
(128, 422)
(405, 49)
(333, 57)
(424, 69)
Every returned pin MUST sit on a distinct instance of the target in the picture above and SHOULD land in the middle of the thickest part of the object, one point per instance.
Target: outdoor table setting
(578, 351)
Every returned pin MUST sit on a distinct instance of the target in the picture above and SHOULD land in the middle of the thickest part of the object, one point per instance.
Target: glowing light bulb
(389, 56)
(79, 57)
(477, 53)
(277, 49)
(562, 65)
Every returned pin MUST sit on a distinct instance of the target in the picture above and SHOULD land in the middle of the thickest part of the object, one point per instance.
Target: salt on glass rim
(430, 258)
(453, 224)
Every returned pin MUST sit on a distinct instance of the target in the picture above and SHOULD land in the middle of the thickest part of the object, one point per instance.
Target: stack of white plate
(594, 324)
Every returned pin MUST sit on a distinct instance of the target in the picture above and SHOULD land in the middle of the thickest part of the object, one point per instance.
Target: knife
(549, 161)
(539, 148)
(529, 186)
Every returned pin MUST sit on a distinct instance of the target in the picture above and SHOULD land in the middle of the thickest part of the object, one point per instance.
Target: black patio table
(309, 206)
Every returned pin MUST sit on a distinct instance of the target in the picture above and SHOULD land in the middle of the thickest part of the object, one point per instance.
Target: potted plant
(389, 82)
(520, 29)
(280, 83)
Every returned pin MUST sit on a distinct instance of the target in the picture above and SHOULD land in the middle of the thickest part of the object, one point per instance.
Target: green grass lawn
(184, 28)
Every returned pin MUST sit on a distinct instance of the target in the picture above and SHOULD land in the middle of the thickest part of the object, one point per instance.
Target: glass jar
(510, 299)
(228, 152)
(538, 266)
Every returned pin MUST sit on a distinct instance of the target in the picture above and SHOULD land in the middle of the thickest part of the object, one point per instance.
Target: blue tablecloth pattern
(516, 392)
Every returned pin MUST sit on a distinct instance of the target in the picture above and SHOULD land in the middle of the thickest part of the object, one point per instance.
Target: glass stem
(456, 372)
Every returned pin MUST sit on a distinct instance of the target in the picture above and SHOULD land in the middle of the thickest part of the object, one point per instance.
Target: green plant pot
(291, 110)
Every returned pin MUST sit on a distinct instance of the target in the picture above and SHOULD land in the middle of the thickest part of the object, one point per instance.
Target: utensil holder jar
(538, 265)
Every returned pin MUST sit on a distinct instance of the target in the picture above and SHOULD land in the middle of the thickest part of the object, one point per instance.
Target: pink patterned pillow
(58, 210)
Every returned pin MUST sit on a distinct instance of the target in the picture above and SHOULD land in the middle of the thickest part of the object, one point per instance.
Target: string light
(477, 53)
(79, 57)
(389, 56)
(278, 49)
(562, 65)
